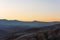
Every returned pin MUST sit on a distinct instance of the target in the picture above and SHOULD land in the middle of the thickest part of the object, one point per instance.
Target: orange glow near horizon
(32, 19)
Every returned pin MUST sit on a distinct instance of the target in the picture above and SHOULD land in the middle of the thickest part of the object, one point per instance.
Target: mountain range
(7, 27)
(4, 22)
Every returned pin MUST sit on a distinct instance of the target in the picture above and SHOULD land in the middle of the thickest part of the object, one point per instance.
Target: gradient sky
(28, 10)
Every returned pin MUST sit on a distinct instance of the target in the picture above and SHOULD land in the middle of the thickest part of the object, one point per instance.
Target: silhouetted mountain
(4, 22)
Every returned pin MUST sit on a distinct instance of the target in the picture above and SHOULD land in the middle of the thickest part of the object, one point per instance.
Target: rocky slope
(43, 33)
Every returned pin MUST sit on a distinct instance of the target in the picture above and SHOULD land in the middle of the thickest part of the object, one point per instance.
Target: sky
(29, 10)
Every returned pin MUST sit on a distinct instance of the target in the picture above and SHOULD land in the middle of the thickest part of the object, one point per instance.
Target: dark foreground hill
(43, 33)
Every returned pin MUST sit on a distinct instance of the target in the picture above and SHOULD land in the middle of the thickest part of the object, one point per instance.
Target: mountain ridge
(5, 22)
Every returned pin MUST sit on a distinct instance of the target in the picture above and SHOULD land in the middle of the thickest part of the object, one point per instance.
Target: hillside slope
(43, 33)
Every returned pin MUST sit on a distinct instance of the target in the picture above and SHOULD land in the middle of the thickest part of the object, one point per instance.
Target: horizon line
(29, 21)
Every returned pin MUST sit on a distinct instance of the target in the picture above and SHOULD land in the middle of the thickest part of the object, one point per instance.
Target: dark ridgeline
(43, 33)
